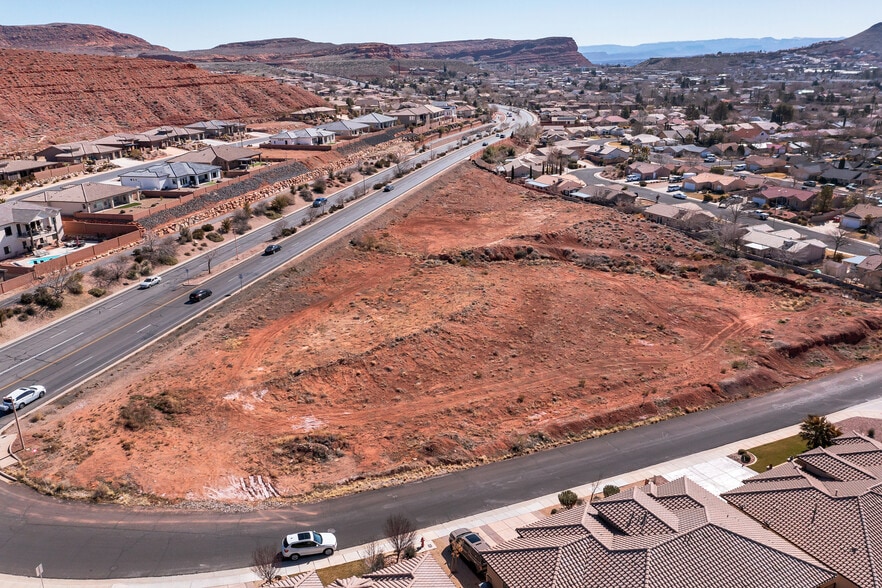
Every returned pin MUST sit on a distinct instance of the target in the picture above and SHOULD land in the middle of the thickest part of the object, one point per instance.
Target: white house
(171, 176)
(304, 137)
(25, 227)
(376, 121)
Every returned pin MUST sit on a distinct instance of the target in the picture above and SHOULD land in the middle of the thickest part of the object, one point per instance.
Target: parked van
(740, 167)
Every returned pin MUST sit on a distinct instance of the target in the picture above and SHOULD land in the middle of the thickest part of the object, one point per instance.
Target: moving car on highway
(297, 545)
(270, 249)
(22, 396)
(149, 282)
(200, 294)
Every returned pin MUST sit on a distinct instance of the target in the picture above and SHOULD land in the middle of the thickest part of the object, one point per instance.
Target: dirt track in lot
(476, 320)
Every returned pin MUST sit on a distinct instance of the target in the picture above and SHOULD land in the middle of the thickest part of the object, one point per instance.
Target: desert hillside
(475, 321)
(50, 98)
(65, 37)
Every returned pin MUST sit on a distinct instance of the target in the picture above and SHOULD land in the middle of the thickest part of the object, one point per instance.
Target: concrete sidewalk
(712, 469)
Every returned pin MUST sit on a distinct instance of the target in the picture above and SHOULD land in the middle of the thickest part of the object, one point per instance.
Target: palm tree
(817, 431)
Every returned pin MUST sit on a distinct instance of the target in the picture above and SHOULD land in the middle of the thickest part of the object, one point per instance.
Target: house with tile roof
(308, 136)
(171, 176)
(85, 197)
(376, 121)
(786, 245)
(828, 502)
(675, 535)
(227, 157)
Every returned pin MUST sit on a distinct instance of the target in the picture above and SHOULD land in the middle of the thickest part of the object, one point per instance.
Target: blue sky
(201, 24)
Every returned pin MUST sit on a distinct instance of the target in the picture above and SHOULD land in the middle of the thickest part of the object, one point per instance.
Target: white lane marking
(143, 328)
(84, 361)
(114, 306)
(24, 361)
(58, 333)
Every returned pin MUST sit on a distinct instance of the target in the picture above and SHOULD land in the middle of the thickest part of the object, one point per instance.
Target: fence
(86, 253)
(48, 174)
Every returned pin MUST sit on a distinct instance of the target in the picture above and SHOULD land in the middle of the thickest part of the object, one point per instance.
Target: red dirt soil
(476, 320)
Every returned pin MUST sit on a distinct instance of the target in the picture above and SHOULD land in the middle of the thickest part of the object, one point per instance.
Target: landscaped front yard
(776, 453)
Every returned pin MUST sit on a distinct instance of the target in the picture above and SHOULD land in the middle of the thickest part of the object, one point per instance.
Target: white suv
(297, 545)
(19, 398)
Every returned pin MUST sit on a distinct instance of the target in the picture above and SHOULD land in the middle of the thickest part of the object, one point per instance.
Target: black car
(388, 188)
(319, 202)
(274, 248)
(200, 294)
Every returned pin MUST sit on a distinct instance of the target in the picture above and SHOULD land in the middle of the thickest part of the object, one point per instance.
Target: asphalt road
(80, 541)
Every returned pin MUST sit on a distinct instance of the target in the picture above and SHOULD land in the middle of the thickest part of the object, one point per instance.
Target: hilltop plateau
(48, 98)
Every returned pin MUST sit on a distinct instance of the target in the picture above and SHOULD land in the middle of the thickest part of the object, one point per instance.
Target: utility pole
(18, 425)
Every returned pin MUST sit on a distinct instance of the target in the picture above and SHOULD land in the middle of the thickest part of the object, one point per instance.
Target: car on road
(200, 294)
(22, 396)
(760, 214)
(270, 249)
(296, 545)
(710, 159)
(809, 184)
(388, 188)
(674, 188)
(484, 144)
(740, 167)
(851, 187)
(319, 202)
(149, 282)
(633, 178)
(679, 195)
(472, 546)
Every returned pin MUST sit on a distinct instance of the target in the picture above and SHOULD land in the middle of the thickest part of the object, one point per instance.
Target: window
(6, 250)
(8, 231)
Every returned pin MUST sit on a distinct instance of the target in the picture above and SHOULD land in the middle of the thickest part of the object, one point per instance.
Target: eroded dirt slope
(480, 320)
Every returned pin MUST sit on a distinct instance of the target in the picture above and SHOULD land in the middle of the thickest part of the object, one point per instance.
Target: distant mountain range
(630, 55)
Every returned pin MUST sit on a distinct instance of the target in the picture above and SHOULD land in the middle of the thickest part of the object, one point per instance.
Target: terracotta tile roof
(672, 535)
(420, 572)
(833, 510)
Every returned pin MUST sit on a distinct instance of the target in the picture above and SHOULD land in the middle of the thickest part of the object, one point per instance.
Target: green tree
(824, 200)
(610, 490)
(568, 499)
(817, 431)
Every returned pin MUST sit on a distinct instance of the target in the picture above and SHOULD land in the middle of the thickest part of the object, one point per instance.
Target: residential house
(844, 176)
(762, 165)
(418, 115)
(827, 502)
(606, 155)
(869, 271)
(26, 227)
(466, 111)
(226, 157)
(376, 121)
(303, 137)
(792, 198)
(564, 184)
(86, 197)
(748, 135)
(860, 216)
(80, 152)
(171, 176)
(787, 245)
(687, 215)
(648, 171)
(706, 181)
(16, 169)
(421, 571)
(217, 128)
(612, 195)
(314, 113)
(670, 535)
(346, 128)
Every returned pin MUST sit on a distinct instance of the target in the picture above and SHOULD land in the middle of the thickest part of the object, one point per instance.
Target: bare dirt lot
(476, 320)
